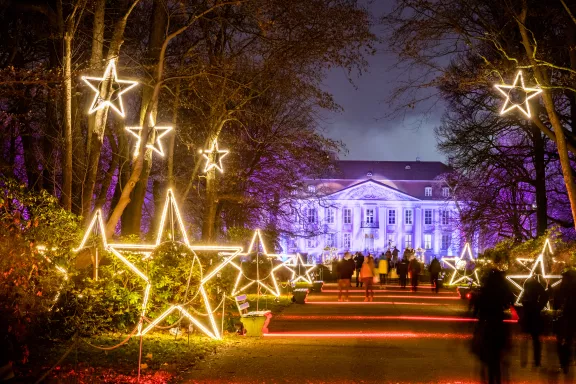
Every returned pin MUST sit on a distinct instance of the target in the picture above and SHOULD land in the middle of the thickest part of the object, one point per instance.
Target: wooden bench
(255, 322)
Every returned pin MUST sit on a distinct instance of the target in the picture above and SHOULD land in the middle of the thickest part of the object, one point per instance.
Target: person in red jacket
(345, 271)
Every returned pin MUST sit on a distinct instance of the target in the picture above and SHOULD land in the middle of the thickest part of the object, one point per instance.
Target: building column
(437, 232)
(357, 243)
(383, 241)
(418, 221)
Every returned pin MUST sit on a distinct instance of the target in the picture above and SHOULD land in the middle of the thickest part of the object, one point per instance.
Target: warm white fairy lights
(528, 93)
(214, 157)
(42, 250)
(459, 264)
(117, 88)
(300, 269)
(161, 131)
(267, 282)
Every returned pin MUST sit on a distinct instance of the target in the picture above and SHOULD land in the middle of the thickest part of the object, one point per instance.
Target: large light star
(538, 263)
(161, 131)
(108, 89)
(300, 269)
(458, 264)
(527, 93)
(214, 157)
(267, 282)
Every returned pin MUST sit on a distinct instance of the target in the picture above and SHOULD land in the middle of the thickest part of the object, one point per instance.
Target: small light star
(161, 131)
(300, 269)
(214, 157)
(108, 96)
(458, 264)
(528, 94)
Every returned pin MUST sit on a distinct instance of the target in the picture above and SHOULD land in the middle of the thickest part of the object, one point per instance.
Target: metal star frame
(454, 263)
(157, 145)
(214, 157)
(296, 265)
(539, 262)
(508, 104)
(117, 88)
(272, 286)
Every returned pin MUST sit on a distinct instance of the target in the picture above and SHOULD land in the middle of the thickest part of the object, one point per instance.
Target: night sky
(363, 125)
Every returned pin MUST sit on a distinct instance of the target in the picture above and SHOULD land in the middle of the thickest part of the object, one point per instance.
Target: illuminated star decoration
(268, 282)
(538, 263)
(117, 88)
(160, 133)
(458, 264)
(510, 104)
(42, 250)
(97, 226)
(172, 220)
(214, 157)
(524, 261)
(300, 270)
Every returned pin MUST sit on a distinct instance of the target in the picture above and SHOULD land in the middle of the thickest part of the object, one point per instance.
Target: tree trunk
(540, 181)
(172, 139)
(67, 166)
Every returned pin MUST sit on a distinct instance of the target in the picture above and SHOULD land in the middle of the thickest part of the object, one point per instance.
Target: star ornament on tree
(517, 95)
(537, 268)
(161, 131)
(458, 264)
(300, 269)
(268, 281)
(214, 157)
(108, 90)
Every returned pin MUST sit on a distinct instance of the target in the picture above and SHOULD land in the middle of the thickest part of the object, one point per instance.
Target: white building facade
(372, 206)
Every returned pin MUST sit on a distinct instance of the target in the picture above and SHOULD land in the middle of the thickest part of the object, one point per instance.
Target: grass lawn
(164, 356)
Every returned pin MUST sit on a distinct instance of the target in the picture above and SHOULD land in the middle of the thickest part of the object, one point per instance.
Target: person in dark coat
(345, 269)
(402, 270)
(359, 260)
(565, 301)
(491, 335)
(434, 270)
(395, 253)
(414, 269)
(534, 299)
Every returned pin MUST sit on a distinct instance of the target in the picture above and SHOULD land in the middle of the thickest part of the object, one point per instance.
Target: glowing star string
(214, 157)
(539, 262)
(117, 88)
(509, 104)
(296, 265)
(157, 145)
(269, 282)
(459, 264)
(523, 261)
(42, 250)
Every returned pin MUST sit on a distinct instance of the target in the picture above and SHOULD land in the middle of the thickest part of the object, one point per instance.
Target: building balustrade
(369, 224)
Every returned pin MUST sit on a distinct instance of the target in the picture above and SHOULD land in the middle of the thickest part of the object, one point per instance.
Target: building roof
(389, 170)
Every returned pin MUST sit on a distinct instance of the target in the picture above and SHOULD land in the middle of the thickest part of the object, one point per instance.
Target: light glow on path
(382, 317)
(371, 303)
(372, 335)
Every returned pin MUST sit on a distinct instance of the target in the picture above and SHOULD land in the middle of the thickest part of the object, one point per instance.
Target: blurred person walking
(565, 300)
(434, 270)
(414, 269)
(367, 275)
(534, 300)
(346, 268)
(359, 260)
(383, 269)
(402, 270)
(491, 335)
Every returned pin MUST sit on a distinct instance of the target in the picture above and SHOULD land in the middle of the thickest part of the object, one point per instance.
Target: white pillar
(357, 241)
(417, 240)
(383, 241)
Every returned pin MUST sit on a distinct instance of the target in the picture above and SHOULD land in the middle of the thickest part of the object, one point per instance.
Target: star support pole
(161, 131)
(527, 92)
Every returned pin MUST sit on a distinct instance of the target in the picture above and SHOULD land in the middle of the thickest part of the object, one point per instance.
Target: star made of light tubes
(161, 131)
(509, 104)
(272, 285)
(117, 89)
(297, 265)
(172, 219)
(42, 251)
(214, 157)
(524, 262)
(454, 263)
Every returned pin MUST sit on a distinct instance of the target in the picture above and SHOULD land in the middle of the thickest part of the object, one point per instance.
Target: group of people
(367, 274)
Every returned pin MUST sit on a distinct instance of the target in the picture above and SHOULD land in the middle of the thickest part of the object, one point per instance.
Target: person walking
(367, 275)
(359, 260)
(383, 269)
(395, 253)
(402, 270)
(414, 269)
(534, 300)
(435, 268)
(389, 258)
(346, 268)
(565, 300)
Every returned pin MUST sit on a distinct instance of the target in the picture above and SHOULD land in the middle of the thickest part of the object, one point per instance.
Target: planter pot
(463, 291)
(255, 326)
(300, 295)
(317, 286)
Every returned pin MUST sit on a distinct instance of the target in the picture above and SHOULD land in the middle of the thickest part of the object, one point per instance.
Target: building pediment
(371, 190)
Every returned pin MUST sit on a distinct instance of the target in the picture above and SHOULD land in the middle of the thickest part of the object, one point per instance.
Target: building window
(408, 217)
(408, 240)
(428, 191)
(312, 188)
(329, 213)
(392, 216)
(312, 216)
(427, 241)
(446, 240)
(445, 192)
(369, 215)
(428, 216)
(346, 241)
(311, 242)
(444, 217)
(347, 216)
(330, 240)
